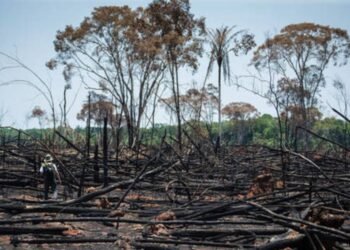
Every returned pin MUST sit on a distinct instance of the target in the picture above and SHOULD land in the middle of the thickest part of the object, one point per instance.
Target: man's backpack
(48, 167)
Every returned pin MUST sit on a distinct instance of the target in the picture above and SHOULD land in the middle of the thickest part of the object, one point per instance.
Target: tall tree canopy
(127, 52)
(299, 55)
(183, 37)
(303, 52)
(195, 104)
(240, 111)
(98, 109)
(117, 48)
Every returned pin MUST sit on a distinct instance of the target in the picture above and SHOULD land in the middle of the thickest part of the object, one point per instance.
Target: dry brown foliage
(116, 213)
(239, 111)
(264, 184)
(326, 218)
(103, 202)
(159, 229)
(168, 215)
(90, 190)
(124, 243)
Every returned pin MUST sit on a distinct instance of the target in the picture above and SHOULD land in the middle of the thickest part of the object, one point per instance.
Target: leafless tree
(39, 84)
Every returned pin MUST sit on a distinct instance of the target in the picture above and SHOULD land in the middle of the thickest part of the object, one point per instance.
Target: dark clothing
(49, 181)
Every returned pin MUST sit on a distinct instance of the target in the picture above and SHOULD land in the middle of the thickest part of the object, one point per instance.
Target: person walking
(49, 170)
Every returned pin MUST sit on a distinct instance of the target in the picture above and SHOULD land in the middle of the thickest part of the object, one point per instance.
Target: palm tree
(222, 42)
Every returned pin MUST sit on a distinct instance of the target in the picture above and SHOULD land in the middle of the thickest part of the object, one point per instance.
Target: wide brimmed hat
(48, 158)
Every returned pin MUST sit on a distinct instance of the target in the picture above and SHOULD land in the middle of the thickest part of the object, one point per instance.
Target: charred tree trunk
(118, 139)
(96, 166)
(105, 153)
(87, 154)
(19, 138)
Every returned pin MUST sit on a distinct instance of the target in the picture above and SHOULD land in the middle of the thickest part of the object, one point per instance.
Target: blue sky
(28, 28)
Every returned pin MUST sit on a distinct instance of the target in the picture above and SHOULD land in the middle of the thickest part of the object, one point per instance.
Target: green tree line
(262, 130)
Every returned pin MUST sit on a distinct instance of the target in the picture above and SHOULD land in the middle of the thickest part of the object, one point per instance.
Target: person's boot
(54, 196)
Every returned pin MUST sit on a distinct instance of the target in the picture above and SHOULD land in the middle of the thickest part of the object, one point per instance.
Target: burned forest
(217, 174)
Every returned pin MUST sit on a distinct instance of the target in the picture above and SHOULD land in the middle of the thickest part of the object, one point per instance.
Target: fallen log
(7, 230)
(218, 208)
(151, 246)
(196, 243)
(75, 240)
(129, 221)
(15, 182)
(110, 188)
(203, 233)
(332, 231)
(19, 208)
